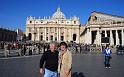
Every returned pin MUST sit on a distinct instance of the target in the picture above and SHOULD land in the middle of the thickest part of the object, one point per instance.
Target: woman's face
(62, 47)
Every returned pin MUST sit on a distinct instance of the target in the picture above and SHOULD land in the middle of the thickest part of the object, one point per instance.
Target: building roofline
(107, 14)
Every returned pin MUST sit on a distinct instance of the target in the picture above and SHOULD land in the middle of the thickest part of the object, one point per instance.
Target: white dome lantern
(58, 15)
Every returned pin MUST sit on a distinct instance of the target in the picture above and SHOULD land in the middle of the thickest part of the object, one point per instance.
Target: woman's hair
(107, 45)
(64, 43)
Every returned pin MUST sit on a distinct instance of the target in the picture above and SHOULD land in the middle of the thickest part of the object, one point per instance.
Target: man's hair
(53, 43)
(64, 43)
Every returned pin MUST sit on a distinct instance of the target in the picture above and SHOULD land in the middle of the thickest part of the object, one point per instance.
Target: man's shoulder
(57, 51)
(49, 51)
(46, 52)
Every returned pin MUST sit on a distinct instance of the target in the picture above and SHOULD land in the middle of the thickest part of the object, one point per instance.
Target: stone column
(105, 33)
(45, 34)
(65, 34)
(38, 35)
(122, 34)
(54, 33)
(48, 34)
(89, 36)
(70, 34)
(111, 38)
(77, 36)
(59, 35)
(99, 37)
(32, 38)
(117, 39)
(97, 40)
(27, 31)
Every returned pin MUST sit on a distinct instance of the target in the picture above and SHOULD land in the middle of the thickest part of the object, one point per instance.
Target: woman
(65, 61)
(107, 53)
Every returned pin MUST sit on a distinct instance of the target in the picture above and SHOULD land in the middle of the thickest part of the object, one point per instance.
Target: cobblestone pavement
(88, 65)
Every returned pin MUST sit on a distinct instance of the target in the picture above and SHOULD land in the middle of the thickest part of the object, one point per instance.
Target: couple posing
(56, 63)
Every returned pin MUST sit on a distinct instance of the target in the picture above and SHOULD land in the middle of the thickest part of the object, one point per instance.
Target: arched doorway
(29, 36)
(74, 37)
(41, 38)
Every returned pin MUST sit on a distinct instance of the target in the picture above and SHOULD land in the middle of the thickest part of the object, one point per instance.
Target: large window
(62, 38)
(30, 21)
(46, 38)
(51, 38)
(55, 38)
(74, 22)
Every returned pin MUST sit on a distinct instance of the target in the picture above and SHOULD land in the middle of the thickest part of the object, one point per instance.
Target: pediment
(98, 16)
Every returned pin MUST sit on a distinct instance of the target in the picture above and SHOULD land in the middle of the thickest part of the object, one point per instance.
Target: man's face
(52, 47)
(62, 47)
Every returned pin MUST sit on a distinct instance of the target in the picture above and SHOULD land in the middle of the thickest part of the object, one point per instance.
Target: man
(65, 61)
(107, 53)
(50, 59)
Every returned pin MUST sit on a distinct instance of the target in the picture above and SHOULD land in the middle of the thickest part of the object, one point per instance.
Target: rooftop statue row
(58, 15)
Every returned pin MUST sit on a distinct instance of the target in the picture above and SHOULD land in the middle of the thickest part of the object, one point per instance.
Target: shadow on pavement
(76, 74)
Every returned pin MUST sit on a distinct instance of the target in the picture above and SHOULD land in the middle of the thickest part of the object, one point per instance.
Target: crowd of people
(23, 48)
(29, 48)
(32, 48)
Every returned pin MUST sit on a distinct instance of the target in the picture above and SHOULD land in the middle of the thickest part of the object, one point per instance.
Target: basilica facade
(54, 28)
(100, 28)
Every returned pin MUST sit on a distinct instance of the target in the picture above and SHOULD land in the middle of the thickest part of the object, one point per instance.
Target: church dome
(58, 15)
